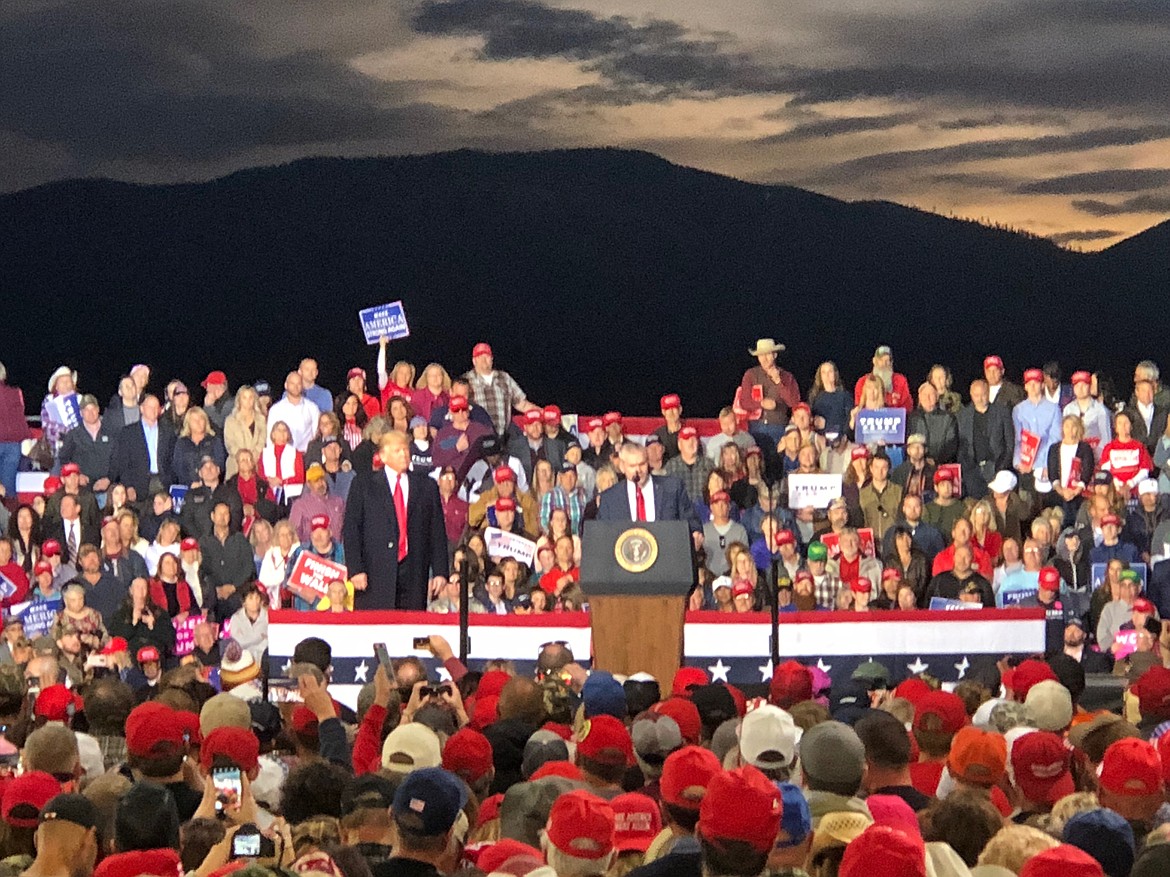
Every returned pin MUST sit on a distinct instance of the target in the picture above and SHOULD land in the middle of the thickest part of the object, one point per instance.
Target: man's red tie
(400, 514)
(639, 502)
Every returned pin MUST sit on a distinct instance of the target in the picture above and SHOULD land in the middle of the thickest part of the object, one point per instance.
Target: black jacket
(91, 454)
(1148, 437)
(130, 462)
(1084, 454)
(941, 431)
(195, 518)
(1001, 435)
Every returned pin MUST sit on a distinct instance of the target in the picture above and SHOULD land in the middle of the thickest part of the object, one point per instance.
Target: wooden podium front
(636, 577)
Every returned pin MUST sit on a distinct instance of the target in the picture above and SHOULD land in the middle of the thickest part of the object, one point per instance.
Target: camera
(249, 843)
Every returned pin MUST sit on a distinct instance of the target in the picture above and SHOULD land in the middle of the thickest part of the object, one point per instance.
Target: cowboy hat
(766, 345)
(61, 372)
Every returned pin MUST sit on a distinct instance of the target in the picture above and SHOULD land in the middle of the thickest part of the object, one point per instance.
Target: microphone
(636, 478)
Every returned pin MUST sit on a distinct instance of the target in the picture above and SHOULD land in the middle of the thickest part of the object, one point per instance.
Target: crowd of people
(139, 733)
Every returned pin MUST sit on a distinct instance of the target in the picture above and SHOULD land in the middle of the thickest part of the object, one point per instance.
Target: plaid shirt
(113, 750)
(694, 477)
(497, 394)
(825, 591)
(558, 498)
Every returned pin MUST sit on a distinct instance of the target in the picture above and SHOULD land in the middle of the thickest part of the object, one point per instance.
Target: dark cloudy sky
(1050, 115)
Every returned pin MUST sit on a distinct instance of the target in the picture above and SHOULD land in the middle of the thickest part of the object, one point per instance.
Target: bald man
(394, 534)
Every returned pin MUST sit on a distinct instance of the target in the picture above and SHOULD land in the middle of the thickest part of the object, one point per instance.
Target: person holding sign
(895, 387)
(394, 533)
(1070, 466)
(1037, 426)
(1125, 458)
(1091, 412)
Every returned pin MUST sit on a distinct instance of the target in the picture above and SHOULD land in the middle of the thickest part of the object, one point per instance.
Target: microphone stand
(774, 602)
(464, 608)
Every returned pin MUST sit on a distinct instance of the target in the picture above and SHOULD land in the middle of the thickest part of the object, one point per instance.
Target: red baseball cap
(216, 377)
(884, 851)
(489, 809)
(939, 712)
(859, 452)
(1153, 692)
(1064, 860)
(687, 678)
(1163, 748)
(189, 544)
(978, 757)
(801, 406)
(688, 432)
(52, 485)
(1040, 766)
(146, 654)
(153, 728)
(686, 774)
(115, 645)
(503, 473)
(304, 721)
(784, 537)
(941, 475)
(42, 566)
(136, 863)
(1081, 377)
(50, 548)
(1033, 374)
(534, 415)
(742, 587)
(1131, 768)
(319, 522)
(57, 704)
(741, 805)
(890, 573)
(70, 469)
(1022, 678)
(459, 403)
(1110, 519)
(1141, 604)
(606, 740)
(989, 361)
(720, 496)
(791, 683)
(505, 504)
(581, 825)
(1049, 578)
(596, 423)
(914, 690)
(26, 796)
(481, 349)
(565, 769)
(493, 857)
(355, 372)
(551, 414)
(637, 821)
(685, 715)
(669, 401)
(612, 417)
(468, 755)
(861, 585)
(803, 575)
(239, 745)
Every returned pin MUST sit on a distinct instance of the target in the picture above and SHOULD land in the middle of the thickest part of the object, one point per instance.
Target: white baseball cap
(767, 738)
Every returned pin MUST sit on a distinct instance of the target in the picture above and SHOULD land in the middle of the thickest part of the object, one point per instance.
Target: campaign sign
(7, 587)
(500, 544)
(185, 634)
(66, 409)
(881, 425)
(178, 496)
(1126, 642)
(1099, 574)
(38, 616)
(1029, 445)
(947, 605)
(384, 321)
(954, 473)
(812, 491)
(1014, 598)
(864, 535)
(315, 573)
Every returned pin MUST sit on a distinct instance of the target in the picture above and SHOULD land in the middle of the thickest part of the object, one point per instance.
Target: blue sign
(1014, 598)
(178, 495)
(945, 604)
(7, 587)
(384, 321)
(876, 425)
(39, 616)
(1098, 574)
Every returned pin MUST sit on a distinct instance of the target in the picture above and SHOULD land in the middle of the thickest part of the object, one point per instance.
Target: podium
(636, 577)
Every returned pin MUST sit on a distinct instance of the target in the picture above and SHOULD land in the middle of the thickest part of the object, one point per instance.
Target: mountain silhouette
(602, 278)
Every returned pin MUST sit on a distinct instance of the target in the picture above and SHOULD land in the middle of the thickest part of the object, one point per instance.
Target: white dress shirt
(391, 478)
(647, 496)
(301, 420)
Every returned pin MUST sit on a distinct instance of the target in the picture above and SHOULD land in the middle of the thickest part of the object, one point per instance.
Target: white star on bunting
(823, 667)
(360, 671)
(963, 666)
(287, 666)
(917, 667)
(444, 674)
(719, 671)
(766, 671)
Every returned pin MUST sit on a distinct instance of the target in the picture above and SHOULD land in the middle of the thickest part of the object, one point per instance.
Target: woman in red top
(11, 576)
(170, 590)
(282, 466)
(432, 391)
(564, 572)
(961, 534)
(983, 532)
(353, 417)
(399, 381)
(1125, 458)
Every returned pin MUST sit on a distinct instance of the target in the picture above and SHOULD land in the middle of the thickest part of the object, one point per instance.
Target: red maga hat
(669, 401)
(481, 349)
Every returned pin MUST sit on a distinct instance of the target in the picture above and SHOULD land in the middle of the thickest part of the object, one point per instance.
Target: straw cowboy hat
(766, 345)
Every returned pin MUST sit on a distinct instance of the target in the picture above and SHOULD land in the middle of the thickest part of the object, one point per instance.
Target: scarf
(284, 467)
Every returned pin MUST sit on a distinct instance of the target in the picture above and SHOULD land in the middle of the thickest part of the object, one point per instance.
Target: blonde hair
(1068, 807)
(195, 411)
(246, 390)
(402, 364)
(985, 507)
(1013, 845)
(422, 378)
(1078, 426)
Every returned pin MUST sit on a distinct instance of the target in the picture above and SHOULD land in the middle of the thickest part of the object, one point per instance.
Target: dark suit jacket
(1084, 454)
(1148, 437)
(554, 452)
(671, 503)
(130, 462)
(1009, 396)
(1000, 433)
(91, 534)
(371, 541)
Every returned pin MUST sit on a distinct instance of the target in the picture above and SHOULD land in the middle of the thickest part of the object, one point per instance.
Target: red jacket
(13, 426)
(898, 397)
(158, 595)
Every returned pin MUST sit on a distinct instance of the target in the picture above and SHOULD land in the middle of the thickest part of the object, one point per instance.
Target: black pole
(464, 608)
(775, 595)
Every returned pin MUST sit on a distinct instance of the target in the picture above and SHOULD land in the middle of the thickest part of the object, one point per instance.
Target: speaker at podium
(636, 577)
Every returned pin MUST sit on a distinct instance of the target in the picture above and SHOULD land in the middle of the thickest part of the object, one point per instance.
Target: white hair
(573, 866)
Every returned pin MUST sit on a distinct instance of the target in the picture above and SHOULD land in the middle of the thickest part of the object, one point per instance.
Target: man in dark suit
(71, 530)
(646, 497)
(142, 455)
(534, 445)
(987, 440)
(395, 563)
(1143, 405)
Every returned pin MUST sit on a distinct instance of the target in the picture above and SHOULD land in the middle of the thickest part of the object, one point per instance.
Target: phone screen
(228, 787)
(384, 659)
(283, 690)
(422, 643)
(245, 845)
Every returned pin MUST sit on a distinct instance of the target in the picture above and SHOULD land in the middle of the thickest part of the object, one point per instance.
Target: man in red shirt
(896, 386)
(767, 393)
